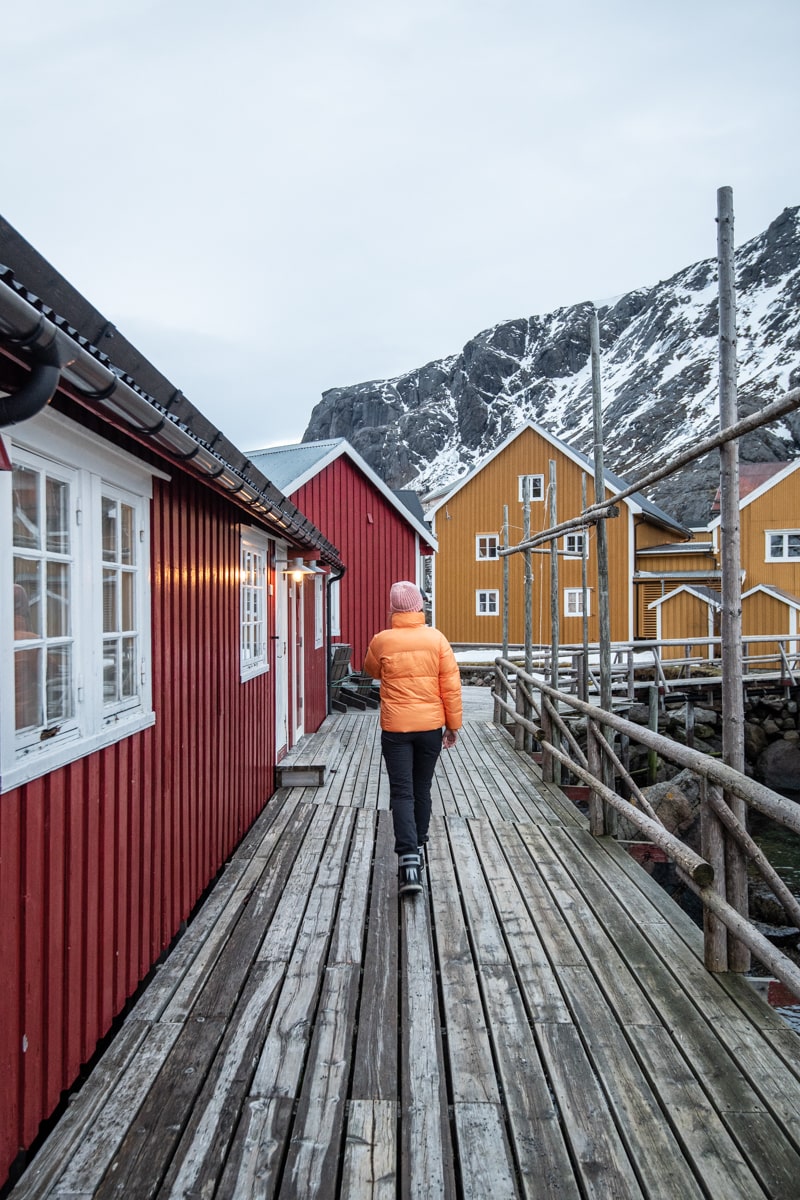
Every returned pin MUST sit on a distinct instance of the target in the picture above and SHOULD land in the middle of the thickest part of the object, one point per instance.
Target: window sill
(40, 762)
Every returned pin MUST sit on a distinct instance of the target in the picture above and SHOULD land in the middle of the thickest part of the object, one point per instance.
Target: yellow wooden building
(467, 520)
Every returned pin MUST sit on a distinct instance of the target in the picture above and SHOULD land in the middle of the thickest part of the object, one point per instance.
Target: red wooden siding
(102, 860)
(375, 541)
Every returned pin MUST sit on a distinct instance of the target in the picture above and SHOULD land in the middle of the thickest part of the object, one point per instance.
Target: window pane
(127, 538)
(25, 485)
(110, 672)
(27, 688)
(110, 530)
(59, 683)
(127, 581)
(110, 624)
(57, 500)
(776, 545)
(794, 545)
(27, 598)
(58, 623)
(128, 667)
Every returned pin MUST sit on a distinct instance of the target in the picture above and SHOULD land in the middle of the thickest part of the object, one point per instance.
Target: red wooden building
(382, 534)
(158, 659)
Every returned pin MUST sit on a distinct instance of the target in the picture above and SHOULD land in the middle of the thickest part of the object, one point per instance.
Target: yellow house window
(783, 545)
(486, 546)
(487, 602)
(573, 602)
(537, 486)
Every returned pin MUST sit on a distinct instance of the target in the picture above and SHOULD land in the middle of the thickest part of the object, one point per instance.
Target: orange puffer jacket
(420, 679)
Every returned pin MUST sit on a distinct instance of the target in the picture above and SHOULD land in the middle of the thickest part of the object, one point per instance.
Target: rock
(755, 740)
(771, 728)
(778, 766)
(677, 802)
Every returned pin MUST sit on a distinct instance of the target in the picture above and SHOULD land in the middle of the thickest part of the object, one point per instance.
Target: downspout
(49, 357)
(332, 579)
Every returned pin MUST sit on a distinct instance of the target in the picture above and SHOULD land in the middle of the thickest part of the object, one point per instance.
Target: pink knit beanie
(405, 597)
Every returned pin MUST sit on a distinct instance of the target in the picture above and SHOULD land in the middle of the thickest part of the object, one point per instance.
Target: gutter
(61, 356)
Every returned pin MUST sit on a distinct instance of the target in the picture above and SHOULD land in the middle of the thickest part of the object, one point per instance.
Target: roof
(129, 391)
(678, 548)
(751, 476)
(779, 594)
(293, 466)
(706, 594)
(637, 502)
(769, 479)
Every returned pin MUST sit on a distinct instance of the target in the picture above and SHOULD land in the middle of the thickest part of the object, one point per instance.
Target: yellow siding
(478, 509)
(762, 613)
(777, 509)
(684, 616)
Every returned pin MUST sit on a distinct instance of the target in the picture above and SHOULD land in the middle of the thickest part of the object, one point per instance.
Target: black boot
(409, 880)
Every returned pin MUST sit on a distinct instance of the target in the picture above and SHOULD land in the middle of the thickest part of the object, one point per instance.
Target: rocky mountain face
(659, 368)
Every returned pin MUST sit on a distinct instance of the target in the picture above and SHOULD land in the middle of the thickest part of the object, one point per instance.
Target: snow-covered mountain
(659, 366)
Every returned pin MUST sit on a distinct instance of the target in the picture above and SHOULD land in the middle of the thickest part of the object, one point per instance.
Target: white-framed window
(319, 610)
(573, 602)
(574, 544)
(536, 484)
(336, 609)
(487, 602)
(783, 545)
(75, 578)
(486, 546)
(254, 551)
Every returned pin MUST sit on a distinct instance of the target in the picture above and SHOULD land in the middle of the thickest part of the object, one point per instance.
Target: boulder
(677, 802)
(778, 766)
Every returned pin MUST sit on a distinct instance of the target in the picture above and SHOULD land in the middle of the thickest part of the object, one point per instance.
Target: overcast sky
(272, 198)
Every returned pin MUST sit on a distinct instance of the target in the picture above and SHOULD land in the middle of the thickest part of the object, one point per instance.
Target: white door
(281, 652)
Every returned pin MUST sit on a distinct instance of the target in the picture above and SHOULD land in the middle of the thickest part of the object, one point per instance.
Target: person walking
(420, 713)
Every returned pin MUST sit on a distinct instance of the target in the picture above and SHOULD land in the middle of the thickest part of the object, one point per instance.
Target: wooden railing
(538, 719)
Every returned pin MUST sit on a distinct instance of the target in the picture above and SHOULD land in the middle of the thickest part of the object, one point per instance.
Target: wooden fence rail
(539, 711)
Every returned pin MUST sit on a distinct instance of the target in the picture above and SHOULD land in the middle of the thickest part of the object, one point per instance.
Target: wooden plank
(427, 1159)
(105, 1101)
(545, 1168)
(318, 1134)
(472, 1078)
(140, 1162)
(254, 1167)
(348, 935)
(369, 1170)
(375, 1073)
(486, 1168)
(202, 1150)
(603, 1166)
(537, 977)
(484, 927)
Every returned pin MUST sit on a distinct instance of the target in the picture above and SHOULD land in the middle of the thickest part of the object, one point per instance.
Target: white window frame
(784, 535)
(93, 467)
(576, 595)
(336, 609)
(254, 547)
(573, 551)
(537, 487)
(484, 544)
(319, 611)
(491, 602)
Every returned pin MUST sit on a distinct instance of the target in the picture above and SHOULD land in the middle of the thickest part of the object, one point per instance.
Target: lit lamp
(297, 569)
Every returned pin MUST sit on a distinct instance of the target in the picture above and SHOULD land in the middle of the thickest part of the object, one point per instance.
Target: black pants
(410, 762)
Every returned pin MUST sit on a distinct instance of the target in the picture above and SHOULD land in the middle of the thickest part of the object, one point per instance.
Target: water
(782, 848)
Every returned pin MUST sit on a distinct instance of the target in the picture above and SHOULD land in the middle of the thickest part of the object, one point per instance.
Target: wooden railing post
(594, 758)
(652, 724)
(712, 849)
(549, 733)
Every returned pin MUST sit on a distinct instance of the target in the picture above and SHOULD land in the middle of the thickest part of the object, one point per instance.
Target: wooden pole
(505, 582)
(555, 624)
(528, 573)
(584, 692)
(732, 681)
(602, 540)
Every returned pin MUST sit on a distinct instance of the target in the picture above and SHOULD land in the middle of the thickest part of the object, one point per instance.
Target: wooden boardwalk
(538, 1023)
